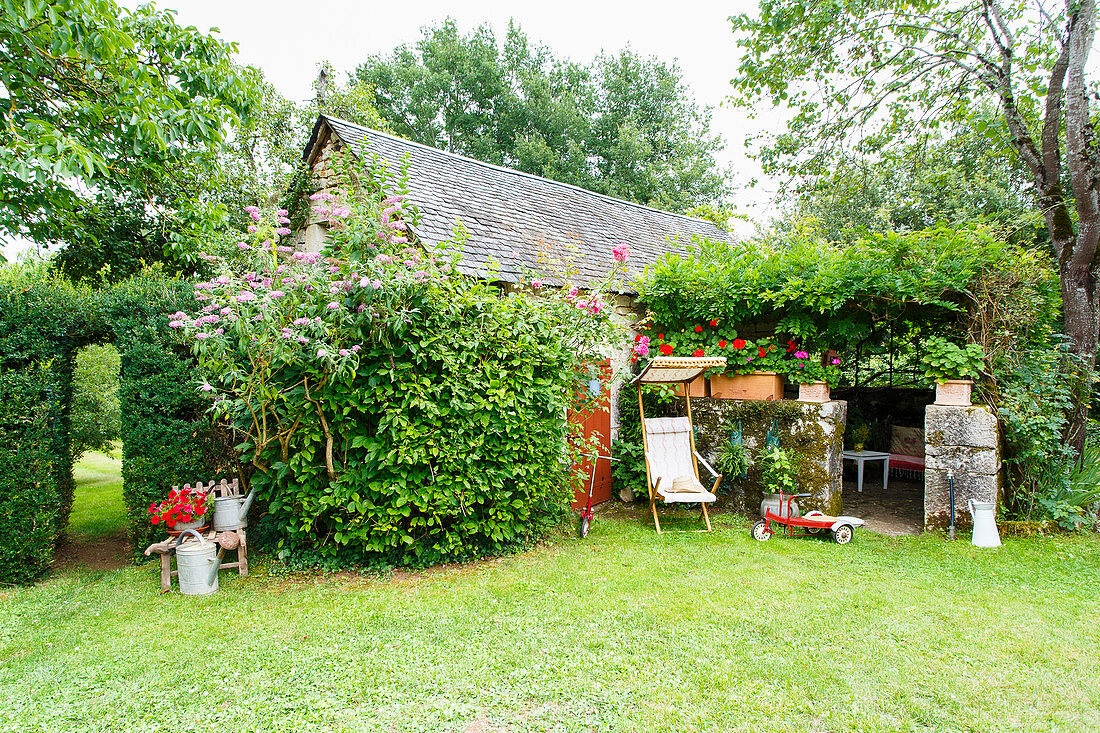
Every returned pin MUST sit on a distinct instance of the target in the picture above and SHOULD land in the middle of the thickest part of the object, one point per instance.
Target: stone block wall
(813, 433)
(962, 442)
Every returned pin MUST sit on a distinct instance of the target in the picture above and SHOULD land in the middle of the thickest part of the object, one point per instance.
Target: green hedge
(43, 319)
(166, 436)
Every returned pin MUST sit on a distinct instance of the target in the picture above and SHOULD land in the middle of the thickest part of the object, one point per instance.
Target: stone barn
(510, 217)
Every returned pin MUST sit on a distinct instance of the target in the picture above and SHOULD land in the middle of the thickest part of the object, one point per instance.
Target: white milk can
(985, 524)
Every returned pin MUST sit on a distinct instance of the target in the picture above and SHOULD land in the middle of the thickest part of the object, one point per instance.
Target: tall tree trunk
(1077, 263)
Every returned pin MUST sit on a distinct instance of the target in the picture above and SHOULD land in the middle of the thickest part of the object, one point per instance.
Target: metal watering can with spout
(985, 524)
(231, 512)
(197, 565)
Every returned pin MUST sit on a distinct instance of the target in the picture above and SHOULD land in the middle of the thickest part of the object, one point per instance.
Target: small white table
(861, 457)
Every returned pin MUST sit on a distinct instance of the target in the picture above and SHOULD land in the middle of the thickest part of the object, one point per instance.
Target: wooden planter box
(954, 392)
(698, 388)
(755, 386)
(813, 392)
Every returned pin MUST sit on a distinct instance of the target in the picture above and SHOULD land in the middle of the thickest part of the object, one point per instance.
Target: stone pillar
(960, 442)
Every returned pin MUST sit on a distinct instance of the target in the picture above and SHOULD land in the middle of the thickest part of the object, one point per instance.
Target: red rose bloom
(666, 349)
(698, 329)
(721, 344)
(714, 323)
(739, 343)
(697, 352)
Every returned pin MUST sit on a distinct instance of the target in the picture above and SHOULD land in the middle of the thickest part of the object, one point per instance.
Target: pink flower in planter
(801, 355)
(835, 361)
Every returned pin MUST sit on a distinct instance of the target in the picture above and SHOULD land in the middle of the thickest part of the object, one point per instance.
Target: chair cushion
(906, 441)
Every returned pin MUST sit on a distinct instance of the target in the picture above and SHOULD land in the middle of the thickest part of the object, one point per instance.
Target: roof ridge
(505, 169)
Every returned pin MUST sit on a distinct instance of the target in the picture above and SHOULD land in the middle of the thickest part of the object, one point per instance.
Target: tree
(957, 180)
(871, 72)
(96, 419)
(624, 125)
(98, 101)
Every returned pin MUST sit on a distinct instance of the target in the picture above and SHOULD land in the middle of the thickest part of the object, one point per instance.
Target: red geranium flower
(763, 353)
(697, 352)
(637, 338)
(721, 344)
(660, 337)
(791, 346)
(739, 343)
(714, 323)
(698, 329)
(666, 349)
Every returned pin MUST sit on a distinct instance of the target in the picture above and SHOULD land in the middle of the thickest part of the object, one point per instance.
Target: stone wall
(961, 442)
(813, 433)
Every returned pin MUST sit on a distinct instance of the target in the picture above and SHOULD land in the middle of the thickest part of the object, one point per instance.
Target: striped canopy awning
(673, 369)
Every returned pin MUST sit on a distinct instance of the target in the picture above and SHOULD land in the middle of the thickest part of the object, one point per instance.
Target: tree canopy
(624, 125)
(866, 74)
(96, 98)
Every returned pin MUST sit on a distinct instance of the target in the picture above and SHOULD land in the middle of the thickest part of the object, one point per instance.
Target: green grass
(623, 631)
(98, 509)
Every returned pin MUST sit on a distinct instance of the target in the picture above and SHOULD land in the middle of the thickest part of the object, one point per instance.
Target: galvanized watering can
(197, 565)
(231, 512)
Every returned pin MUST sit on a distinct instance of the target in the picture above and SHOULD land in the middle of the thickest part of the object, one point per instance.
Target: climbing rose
(666, 349)
(698, 352)
(621, 252)
(739, 343)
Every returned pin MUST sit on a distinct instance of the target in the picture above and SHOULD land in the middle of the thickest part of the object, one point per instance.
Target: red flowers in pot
(182, 506)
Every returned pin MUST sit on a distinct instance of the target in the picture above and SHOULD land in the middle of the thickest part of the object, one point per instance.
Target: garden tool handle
(202, 540)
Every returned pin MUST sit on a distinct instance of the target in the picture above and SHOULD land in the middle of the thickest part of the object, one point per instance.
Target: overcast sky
(288, 39)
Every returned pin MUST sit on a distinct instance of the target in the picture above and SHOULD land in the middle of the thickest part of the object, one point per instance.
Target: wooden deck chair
(671, 461)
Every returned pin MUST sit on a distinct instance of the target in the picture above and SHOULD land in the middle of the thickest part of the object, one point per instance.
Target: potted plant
(813, 375)
(860, 436)
(751, 373)
(778, 475)
(184, 509)
(954, 368)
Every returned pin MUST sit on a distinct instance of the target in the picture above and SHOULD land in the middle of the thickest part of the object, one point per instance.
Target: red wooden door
(596, 421)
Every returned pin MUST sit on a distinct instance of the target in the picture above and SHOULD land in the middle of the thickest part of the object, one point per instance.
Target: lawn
(98, 510)
(622, 631)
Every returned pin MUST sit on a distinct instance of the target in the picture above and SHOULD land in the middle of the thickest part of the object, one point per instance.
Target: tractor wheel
(760, 531)
(843, 534)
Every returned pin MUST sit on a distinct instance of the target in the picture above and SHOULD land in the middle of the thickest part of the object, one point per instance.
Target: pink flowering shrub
(393, 407)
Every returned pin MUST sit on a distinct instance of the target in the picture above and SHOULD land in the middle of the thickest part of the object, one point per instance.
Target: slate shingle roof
(510, 214)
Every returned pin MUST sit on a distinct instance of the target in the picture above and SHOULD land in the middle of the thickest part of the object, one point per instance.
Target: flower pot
(698, 388)
(755, 386)
(200, 525)
(771, 501)
(813, 392)
(954, 392)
